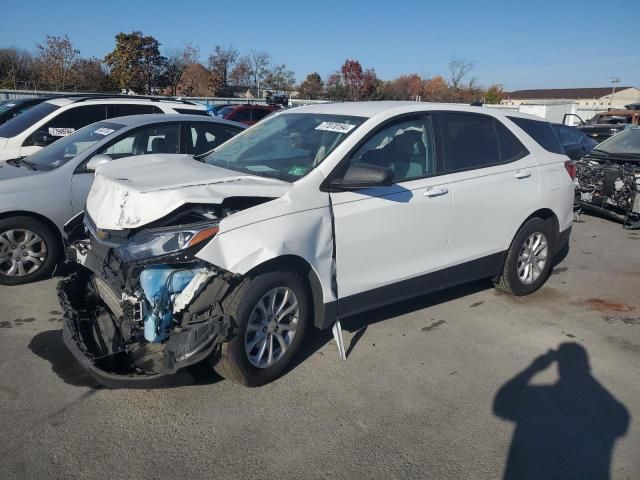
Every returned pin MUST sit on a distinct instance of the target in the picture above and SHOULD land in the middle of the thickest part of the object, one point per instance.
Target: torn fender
(306, 234)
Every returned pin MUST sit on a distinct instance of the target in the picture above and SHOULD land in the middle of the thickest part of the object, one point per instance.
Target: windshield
(63, 150)
(625, 143)
(19, 124)
(225, 110)
(286, 147)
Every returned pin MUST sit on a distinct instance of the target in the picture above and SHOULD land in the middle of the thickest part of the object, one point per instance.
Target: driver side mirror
(96, 161)
(42, 138)
(363, 176)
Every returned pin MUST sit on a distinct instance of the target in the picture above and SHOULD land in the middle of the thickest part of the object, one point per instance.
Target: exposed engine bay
(141, 303)
(610, 188)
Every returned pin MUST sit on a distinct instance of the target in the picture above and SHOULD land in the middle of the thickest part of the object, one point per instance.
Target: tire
(46, 249)
(234, 363)
(510, 280)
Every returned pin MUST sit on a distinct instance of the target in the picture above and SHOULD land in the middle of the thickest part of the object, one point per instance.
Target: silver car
(39, 193)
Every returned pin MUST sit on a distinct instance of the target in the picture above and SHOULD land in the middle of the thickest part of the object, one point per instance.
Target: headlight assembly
(162, 241)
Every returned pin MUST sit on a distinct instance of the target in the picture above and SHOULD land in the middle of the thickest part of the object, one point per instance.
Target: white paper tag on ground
(335, 127)
(61, 132)
(103, 131)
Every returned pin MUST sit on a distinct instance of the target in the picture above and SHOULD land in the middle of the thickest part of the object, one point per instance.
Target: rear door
(391, 241)
(494, 183)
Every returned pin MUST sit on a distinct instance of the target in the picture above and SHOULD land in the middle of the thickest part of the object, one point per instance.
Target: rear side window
(511, 149)
(205, 137)
(122, 110)
(469, 141)
(568, 135)
(20, 123)
(541, 132)
(186, 111)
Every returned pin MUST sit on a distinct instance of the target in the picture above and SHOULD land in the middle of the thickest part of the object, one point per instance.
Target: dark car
(608, 178)
(247, 114)
(12, 108)
(606, 124)
(576, 143)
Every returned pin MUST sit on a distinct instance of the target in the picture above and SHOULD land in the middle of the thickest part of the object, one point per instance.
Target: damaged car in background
(311, 216)
(608, 179)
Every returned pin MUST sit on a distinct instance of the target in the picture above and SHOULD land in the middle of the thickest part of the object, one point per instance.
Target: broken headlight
(162, 241)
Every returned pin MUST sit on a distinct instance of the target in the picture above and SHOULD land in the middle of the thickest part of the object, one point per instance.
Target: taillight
(570, 165)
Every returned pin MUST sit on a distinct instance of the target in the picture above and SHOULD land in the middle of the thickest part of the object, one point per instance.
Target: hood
(8, 171)
(3, 142)
(130, 193)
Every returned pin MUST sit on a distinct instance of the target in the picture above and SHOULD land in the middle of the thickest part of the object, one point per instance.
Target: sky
(519, 43)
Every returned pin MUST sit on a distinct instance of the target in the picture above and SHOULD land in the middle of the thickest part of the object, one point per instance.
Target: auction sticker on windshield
(61, 132)
(335, 127)
(103, 131)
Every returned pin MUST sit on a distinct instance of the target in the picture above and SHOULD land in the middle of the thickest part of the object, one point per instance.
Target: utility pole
(614, 80)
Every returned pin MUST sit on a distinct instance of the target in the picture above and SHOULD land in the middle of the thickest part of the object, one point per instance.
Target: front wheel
(272, 311)
(528, 261)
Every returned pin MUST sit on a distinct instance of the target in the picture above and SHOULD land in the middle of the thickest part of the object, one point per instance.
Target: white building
(599, 98)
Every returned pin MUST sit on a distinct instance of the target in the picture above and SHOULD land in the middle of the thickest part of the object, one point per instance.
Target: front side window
(74, 119)
(286, 146)
(156, 139)
(406, 147)
(204, 137)
(22, 122)
(60, 152)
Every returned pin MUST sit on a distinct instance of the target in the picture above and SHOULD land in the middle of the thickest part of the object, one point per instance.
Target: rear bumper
(563, 239)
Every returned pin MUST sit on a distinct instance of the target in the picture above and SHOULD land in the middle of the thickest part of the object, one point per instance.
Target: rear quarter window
(541, 132)
(186, 111)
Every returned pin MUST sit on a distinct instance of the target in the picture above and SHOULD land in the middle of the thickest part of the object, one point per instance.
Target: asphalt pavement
(467, 384)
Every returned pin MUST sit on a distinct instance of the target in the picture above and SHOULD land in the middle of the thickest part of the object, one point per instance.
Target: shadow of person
(563, 431)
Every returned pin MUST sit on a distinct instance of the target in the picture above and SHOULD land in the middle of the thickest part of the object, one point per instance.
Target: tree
(405, 87)
(352, 78)
(221, 61)
(494, 94)
(279, 77)
(194, 81)
(177, 60)
(136, 62)
(259, 62)
(16, 67)
(56, 58)
(336, 90)
(436, 90)
(90, 74)
(312, 87)
(240, 75)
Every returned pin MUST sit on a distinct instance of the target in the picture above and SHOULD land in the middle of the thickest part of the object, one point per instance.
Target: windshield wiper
(17, 162)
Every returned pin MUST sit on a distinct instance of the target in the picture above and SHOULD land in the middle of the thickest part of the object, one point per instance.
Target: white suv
(55, 118)
(311, 216)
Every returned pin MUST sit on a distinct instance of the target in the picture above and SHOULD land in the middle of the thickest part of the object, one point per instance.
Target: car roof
(137, 120)
(67, 100)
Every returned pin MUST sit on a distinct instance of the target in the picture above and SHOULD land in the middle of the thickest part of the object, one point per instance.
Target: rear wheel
(272, 313)
(528, 261)
(29, 250)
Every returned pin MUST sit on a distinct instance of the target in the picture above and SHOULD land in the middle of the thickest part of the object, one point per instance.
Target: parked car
(606, 124)
(247, 114)
(215, 109)
(39, 193)
(57, 117)
(576, 143)
(608, 179)
(315, 214)
(13, 108)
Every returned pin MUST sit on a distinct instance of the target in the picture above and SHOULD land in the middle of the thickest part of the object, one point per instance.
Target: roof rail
(90, 96)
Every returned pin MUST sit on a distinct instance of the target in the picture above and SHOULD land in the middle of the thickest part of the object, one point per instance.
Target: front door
(391, 241)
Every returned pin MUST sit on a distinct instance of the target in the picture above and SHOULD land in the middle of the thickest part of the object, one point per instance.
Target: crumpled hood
(3, 142)
(132, 192)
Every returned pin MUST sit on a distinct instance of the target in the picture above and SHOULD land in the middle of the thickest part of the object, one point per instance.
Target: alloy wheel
(22, 252)
(533, 258)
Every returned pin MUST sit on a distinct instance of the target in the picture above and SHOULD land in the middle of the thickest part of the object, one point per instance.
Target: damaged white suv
(308, 217)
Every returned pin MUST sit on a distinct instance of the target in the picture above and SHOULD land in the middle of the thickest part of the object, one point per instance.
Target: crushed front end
(139, 304)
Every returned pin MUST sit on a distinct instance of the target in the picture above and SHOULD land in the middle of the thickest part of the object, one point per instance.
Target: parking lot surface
(449, 386)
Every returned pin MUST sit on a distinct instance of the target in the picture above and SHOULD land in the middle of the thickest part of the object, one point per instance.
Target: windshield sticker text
(335, 127)
(61, 132)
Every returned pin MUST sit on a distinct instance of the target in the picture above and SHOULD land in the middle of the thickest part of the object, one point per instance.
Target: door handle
(436, 191)
(522, 173)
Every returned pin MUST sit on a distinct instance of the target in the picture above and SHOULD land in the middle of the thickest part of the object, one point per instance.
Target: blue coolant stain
(160, 284)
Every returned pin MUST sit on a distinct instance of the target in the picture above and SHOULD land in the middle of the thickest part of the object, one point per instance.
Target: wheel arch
(36, 216)
(543, 213)
(323, 315)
